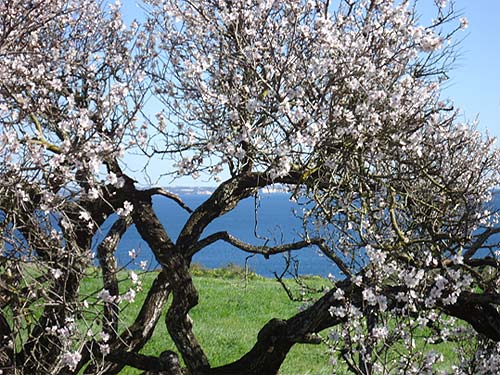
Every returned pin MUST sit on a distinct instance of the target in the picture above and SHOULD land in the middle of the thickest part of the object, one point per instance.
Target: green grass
(231, 311)
(233, 307)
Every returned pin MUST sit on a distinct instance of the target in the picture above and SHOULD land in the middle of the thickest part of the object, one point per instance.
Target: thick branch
(138, 361)
(150, 228)
(278, 336)
(138, 334)
(479, 241)
(223, 200)
(167, 363)
(488, 261)
(477, 310)
(175, 270)
(178, 322)
(333, 257)
(107, 260)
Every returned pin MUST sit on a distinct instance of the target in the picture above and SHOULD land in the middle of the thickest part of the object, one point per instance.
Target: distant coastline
(207, 190)
(273, 189)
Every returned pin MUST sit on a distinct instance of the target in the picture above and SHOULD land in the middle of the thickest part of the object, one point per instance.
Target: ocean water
(276, 223)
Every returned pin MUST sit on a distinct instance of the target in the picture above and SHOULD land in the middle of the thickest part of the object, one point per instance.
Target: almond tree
(70, 89)
(339, 102)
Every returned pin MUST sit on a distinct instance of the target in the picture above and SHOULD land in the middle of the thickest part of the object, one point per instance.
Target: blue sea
(276, 223)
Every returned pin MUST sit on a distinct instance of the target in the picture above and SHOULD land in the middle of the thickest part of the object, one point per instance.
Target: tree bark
(133, 338)
(107, 260)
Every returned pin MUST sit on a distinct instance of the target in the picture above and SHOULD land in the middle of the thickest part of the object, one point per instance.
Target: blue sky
(475, 81)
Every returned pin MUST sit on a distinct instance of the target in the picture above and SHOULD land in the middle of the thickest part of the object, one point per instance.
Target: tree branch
(150, 228)
(178, 322)
(167, 363)
(223, 200)
(249, 248)
(479, 241)
(168, 194)
(107, 260)
(270, 250)
(134, 337)
(332, 256)
(278, 336)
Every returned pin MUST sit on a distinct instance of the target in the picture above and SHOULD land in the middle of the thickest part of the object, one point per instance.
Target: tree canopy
(339, 102)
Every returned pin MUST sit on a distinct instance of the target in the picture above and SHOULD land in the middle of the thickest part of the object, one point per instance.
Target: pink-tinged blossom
(56, 273)
(112, 178)
(104, 348)
(129, 296)
(71, 359)
(430, 42)
(464, 23)
(105, 296)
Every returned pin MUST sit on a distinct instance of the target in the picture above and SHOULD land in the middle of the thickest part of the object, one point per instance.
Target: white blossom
(56, 273)
(85, 215)
(129, 296)
(133, 277)
(114, 180)
(105, 336)
(93, 194)
(71, 359)
(104, 348)
(369, 296)
(430, 42)
(380, 332)
(105, 296)
(464, 23)
(132, 254)
(126, 210)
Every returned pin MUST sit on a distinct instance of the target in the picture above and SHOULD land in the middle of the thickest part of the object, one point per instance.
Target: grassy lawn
(230, 313)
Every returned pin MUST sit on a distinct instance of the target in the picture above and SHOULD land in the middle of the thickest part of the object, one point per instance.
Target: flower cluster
(344, 105)
(361, 82)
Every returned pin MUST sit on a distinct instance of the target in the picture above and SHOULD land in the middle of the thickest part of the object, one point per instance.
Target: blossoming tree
(339, 102)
